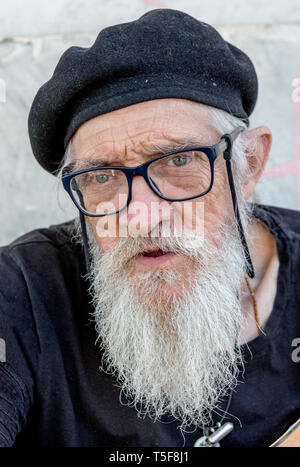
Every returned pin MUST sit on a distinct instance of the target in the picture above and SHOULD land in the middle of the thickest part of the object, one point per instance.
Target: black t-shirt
(52, 392)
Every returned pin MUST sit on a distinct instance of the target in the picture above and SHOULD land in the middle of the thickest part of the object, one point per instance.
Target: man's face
(133, 135)
(167, 323)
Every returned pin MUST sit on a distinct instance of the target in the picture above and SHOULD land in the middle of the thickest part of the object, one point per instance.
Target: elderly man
(169, 307)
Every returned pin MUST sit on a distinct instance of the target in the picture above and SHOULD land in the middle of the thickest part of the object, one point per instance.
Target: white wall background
(34, 34)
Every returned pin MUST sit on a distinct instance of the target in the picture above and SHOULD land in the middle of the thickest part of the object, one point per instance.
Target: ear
(257, 152)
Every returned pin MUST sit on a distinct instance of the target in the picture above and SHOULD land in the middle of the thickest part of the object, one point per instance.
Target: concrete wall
(34, 34)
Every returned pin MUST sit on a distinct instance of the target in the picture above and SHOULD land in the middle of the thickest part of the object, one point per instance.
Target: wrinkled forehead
(141, 126)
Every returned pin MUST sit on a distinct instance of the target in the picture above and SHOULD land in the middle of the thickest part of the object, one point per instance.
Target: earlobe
(257, 152)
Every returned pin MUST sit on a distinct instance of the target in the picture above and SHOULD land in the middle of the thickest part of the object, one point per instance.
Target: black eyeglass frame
(212, 152)
(223, 146)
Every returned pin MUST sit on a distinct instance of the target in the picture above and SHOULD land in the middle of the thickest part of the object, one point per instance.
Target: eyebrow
(153, 151)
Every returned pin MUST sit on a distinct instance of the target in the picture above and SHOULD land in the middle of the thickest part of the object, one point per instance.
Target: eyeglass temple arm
(84, 233)
(225, 146)
(85, 243)
(66, 170)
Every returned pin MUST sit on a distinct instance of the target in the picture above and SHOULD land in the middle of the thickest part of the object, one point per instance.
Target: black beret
(165, 53)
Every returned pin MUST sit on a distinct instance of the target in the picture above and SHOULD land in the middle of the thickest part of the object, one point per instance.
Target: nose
(145, 210)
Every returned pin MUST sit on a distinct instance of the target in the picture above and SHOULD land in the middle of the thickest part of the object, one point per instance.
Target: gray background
(34, 34)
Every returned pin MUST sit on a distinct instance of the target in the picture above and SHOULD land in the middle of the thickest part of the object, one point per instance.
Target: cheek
(106, 243)
(216, 207)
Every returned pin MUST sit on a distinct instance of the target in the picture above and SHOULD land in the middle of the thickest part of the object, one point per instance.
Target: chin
(162, 288)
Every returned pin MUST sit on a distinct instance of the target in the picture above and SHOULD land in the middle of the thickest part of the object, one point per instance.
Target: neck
(263, 251)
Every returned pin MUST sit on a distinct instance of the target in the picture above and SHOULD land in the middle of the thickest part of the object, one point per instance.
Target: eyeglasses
(177, 176)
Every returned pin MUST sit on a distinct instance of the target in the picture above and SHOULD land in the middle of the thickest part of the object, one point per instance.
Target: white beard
(170, 354)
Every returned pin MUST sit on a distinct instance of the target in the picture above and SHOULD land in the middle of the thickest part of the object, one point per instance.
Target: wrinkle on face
(131, 136)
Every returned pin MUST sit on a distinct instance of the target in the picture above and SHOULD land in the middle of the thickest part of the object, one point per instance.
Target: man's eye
(179, 160)
(102, 178)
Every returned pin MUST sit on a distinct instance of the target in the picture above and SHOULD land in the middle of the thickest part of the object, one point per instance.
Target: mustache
(162, 238)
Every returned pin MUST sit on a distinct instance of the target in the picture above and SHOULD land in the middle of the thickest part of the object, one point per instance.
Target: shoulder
(40, 275)
(28, 299)
(39, 248)
(36, 268)
(285, 226)
(55, 235)
(285, 220)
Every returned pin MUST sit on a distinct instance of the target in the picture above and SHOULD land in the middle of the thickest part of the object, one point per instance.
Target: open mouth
(153, 253)
(154, 256)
